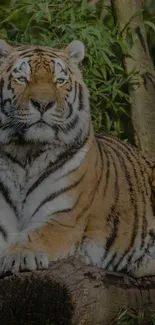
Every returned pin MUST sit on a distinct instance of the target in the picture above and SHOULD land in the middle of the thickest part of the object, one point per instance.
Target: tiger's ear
(5, 48)
(75, 50)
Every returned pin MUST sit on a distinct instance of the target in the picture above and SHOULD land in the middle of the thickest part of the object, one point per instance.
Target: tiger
(66, 191)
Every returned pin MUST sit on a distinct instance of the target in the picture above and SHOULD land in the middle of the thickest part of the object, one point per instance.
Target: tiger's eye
(22, 79)
(60, 81)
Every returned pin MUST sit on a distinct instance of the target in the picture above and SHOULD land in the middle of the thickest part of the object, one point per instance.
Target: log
(70, 293)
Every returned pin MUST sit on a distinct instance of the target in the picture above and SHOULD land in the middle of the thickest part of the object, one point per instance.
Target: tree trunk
(142, 97)
(70, 293)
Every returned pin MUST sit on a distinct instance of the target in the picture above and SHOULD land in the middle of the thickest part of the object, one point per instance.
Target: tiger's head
(43, 97)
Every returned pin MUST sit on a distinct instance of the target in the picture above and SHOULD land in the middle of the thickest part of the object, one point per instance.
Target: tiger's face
(42, 94)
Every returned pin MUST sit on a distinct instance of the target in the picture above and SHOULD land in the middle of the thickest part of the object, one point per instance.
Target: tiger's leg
(36, 249)
(146, 269)
(92, 254)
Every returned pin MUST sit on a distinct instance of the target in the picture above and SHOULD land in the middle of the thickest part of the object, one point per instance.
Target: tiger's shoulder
(125, 156)
(125, 149)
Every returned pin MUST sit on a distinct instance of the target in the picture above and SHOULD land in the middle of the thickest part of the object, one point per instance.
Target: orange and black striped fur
(63, 190)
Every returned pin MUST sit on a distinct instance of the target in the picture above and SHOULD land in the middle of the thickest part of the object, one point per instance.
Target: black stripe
(121, 259)
(2, 101)
(97, 161)
(107, 168)
(151, 242)
(75, 91)
(80, 97)
(149, 163)
(111, 262)
(71, 125)
(7, 197)
(13, 159)
(113, 235)
(3, 232)
(61, 224)
(101, 158)
(129, 259)
(69, 70)
(112, 216)
(52, 55)
(72, 208)
(1, 91)
(152, 199)
(62, 159)
(62, 69)
(70, 110)
(56, 194)
(144, 221)
(10, 67)
(36, 262)
(26, 55)
(4, 106)
(87, 207)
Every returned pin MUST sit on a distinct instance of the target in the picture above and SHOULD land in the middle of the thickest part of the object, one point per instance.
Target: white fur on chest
(37, 201)
(54, 183)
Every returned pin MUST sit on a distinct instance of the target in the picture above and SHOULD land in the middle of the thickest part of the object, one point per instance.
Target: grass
(143, 316)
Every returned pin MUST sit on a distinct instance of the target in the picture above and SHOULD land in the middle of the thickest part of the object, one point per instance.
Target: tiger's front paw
(23, 261)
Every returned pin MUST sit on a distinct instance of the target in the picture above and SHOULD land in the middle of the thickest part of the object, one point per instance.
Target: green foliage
(145, 316)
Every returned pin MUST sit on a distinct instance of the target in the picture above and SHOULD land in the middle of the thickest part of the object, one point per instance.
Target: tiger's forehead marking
(37, 51)
(45, 55)
(26, 66)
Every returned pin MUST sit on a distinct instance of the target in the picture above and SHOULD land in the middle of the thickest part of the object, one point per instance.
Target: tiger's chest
(30, 184)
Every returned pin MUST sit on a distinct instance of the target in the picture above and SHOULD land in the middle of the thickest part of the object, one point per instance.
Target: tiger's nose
(42, 105)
